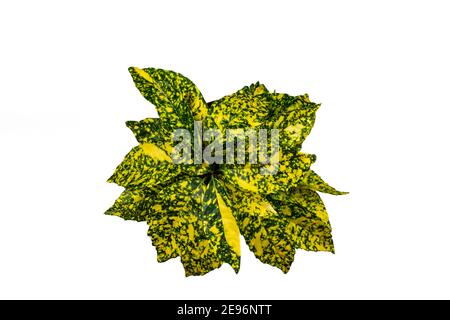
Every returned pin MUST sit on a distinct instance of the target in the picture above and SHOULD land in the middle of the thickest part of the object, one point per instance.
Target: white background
(380, 69)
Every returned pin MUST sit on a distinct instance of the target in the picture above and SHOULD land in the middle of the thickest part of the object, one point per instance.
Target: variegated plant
(198, 211)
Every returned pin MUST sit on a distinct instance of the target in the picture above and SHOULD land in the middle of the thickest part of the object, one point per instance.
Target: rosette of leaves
(198, 211)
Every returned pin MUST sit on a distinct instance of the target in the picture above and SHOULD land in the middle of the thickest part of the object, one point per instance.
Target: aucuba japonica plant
(197, 210)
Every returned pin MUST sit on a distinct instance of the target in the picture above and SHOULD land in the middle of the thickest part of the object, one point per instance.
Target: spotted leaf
(177, 100)
(247, 108)
(294, 116)
(308, 219)
(133, 204)
(263, 228)
(192, 218)
(151, 130)
(150, 166)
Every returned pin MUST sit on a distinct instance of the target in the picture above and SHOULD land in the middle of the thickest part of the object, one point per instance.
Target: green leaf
(194, 218)
(133, 204)
(139, 169)
(177, 100)
(294, 117)
(264, 229)
(276, 225)
(150, 130)
(149, 166)
(247, 108)
(308, 219)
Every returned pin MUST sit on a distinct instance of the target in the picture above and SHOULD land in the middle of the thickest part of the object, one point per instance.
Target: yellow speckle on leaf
(246, 185)
(259, 90)
(278, 122)
(155, 152)
(214, 230)
(191, 232)
(256, 242)
(143, 74)
(230, 226)
(294, 130)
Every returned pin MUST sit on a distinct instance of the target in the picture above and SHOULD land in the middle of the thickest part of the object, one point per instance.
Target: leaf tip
(235, 268)
(130, 123)
(134, 71)
(337, 192)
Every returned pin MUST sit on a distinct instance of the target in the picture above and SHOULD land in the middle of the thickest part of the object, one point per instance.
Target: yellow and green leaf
(294, 116)
(176, 98)
(149, 166)
(308, 219)
(150, 130)
(192, 219)
(275, 226)
(263, 228)
(139, 169)
(247, 108)
(132, 204)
